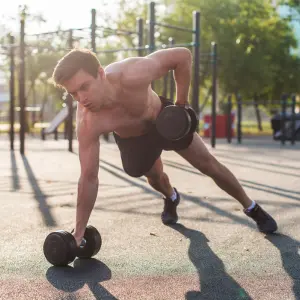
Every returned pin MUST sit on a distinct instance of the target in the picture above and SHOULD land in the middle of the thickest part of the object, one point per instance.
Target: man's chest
(133, 103)
(130, 116)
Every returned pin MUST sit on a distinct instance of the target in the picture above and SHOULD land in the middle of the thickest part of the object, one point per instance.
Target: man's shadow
(84, 271)
(290, 252)
(215, 283)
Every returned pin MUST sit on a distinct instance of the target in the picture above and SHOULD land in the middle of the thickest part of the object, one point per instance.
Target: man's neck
(110, 97)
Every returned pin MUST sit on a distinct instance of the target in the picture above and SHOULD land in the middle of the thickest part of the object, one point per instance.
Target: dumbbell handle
(83, 241)
(185, 105)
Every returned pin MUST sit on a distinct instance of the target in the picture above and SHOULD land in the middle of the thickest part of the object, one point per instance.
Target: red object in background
(221, 126)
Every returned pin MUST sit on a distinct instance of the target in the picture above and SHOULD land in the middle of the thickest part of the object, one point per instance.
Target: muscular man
(119, 99)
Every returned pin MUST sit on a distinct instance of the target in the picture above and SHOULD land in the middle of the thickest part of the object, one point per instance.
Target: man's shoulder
(90, 125)
(117, 70)
(85, 126)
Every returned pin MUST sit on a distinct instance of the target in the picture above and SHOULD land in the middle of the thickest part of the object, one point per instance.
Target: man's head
(81, 74)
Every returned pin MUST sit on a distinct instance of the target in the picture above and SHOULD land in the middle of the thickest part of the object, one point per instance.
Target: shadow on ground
(214, 282)
(14, 171)
(40, 197)
(289, 251)
(90, 272)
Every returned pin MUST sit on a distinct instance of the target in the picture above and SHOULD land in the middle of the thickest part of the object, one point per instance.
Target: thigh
(196, 153)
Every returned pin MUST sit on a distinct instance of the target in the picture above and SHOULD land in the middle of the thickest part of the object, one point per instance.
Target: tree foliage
(254, 43)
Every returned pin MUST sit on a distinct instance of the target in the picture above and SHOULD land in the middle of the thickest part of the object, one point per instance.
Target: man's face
(86, 89)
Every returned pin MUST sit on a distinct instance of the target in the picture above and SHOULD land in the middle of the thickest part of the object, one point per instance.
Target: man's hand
(78, 239)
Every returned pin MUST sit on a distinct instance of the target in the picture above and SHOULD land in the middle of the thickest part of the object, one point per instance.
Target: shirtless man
(119, 99)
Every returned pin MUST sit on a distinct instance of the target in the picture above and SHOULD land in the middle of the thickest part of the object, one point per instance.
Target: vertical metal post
(257, 113)
(56, 134)
(196, 55)
(93, 30)
(165, 88)
(171, 75)
(70, 104)
(151, 27)
(239, 119)
(293, 120)
(22, 98)
(140, 31)
(94, 49)
(12, 90)
(214, 94)
(283, 118)
(151, 31)
(65, 129)
(229, 123)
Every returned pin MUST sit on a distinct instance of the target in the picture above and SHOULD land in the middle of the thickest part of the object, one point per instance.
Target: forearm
(182, 76)
(87, 194)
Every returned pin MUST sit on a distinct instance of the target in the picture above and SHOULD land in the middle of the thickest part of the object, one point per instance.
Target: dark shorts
(139, 153)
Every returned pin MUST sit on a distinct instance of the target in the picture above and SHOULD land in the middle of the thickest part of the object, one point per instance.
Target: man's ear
(101, 72)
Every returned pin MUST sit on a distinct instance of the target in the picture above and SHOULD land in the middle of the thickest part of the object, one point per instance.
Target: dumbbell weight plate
(173, 122)
(194, 120)
(93, 243)
(60, 248)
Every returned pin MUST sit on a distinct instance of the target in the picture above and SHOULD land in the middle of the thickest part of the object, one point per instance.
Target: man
(119, 99)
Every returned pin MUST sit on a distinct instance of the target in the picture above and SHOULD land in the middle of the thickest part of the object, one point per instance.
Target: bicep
(144, 71)
(156, 65)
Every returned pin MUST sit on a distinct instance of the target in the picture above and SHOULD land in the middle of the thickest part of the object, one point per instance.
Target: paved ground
(215, 252)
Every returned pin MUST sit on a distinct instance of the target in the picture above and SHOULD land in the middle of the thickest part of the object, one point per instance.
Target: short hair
(74, 61)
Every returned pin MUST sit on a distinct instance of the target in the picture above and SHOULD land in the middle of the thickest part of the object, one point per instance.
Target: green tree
(253, 44)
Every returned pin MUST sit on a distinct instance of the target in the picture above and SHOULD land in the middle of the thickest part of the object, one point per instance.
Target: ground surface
(215, 252)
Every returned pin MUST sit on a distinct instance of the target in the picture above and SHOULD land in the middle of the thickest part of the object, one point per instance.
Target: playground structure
(61, 117)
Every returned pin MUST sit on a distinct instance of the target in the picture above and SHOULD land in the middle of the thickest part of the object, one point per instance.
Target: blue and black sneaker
(264, 221)
(169, 214)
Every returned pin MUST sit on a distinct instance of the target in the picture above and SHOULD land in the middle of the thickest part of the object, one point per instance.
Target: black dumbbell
(175, 122)
(60, 247)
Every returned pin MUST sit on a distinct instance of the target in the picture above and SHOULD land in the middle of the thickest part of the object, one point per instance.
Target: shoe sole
(268, 231)
(170, 222)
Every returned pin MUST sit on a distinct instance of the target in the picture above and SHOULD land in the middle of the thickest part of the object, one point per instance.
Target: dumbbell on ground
(60, 247)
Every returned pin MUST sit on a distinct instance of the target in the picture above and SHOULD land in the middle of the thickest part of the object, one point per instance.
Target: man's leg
(159, 180)
(198, 156)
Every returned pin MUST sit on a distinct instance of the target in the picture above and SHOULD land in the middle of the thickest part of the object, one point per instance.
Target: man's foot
(169, 214)
(264, 221)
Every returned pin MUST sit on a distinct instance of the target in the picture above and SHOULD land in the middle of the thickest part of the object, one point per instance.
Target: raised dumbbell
(60, 247)
(175, 122)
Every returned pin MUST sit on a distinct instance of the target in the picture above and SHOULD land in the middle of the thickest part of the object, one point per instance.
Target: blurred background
(258, 53)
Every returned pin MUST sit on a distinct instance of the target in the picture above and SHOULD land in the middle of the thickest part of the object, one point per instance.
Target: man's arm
(89, 151)
(142, 71)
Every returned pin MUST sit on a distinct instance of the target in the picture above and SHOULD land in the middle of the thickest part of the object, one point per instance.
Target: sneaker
(169, 214)
(264, 221)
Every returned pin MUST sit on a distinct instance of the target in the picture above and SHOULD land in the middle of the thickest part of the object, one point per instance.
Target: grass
(249, 128)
